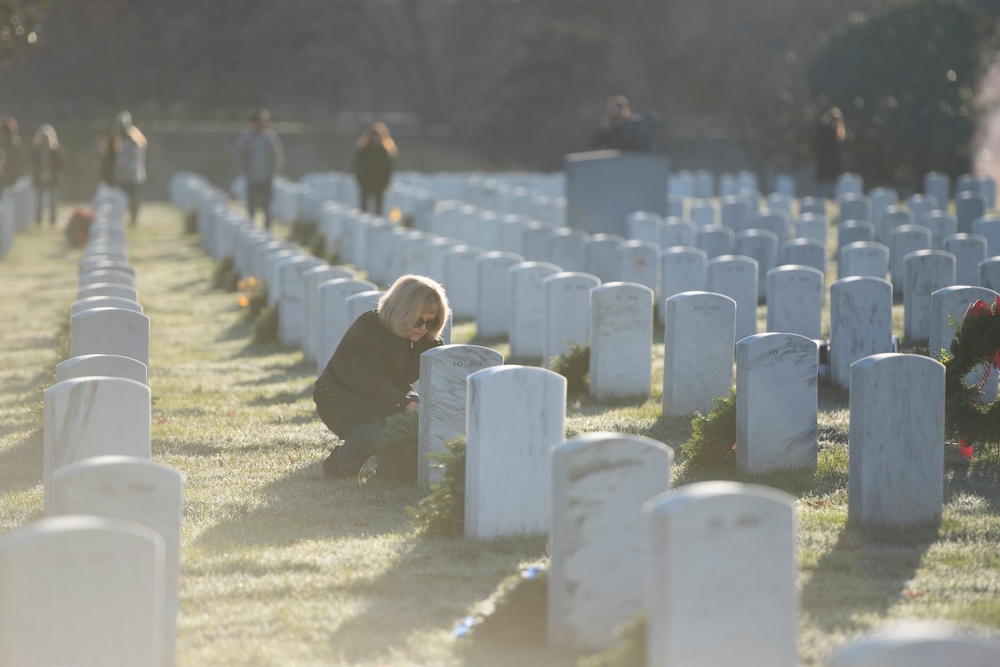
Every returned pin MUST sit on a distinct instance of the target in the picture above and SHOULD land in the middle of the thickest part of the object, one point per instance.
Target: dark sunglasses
(430, 324)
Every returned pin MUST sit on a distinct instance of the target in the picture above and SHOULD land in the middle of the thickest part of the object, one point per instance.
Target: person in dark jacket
(261, 158)
(374, 160)
(12, 149)
(620, 129)
(828, 145)
(370, 375)
(48, 160)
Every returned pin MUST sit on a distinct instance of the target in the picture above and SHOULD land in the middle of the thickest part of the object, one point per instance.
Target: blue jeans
(358, 447)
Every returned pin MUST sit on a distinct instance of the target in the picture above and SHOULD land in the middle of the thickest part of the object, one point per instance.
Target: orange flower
(244, 301)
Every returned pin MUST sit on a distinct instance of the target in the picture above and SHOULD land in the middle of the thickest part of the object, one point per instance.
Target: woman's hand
(411, 406)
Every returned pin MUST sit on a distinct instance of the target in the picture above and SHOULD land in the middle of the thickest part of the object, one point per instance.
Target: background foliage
(905, 80)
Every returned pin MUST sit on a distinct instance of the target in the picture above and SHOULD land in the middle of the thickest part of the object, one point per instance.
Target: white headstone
(110, 331)
(693, 574)
(599, 483)
(108, 289)
(716, 240)
(514, 414)
(903, 241)
(969, 250)
(94, 416)
(621, 340)
(677, 232)
(640, 263)
(896, 468)
(736, 277)
(527, 317)
(681, 270)
(926, 272)
(865, 259)
(565, 247)
(601, 258)
(462, 280)
(311, 280)
(135, 490)
(860, 323)
(698, 343)
(81, 590)
(566, 311)
(102, 365)
(795, 300)
(776, 402)
(918, 644)
(805, 252)
(493, 304)
(761, 246)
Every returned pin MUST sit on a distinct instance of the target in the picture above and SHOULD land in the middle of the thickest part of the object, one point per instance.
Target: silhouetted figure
(108, 152)
(620, 129)
(374, 161)
(11, 152)
(48, 159)
(828, 144)
(130, 161)
(261, 158)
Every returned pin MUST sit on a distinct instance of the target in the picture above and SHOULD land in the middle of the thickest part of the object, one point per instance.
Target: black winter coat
(370, 375)
(373, 167)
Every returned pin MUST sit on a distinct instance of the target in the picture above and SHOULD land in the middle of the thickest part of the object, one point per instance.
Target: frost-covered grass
(283, 567)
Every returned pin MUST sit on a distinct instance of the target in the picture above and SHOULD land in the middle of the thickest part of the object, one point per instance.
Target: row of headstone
(776, 373)
(17, 210)
(96, 581)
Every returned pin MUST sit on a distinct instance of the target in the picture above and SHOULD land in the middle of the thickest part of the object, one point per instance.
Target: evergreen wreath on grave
(977, 341)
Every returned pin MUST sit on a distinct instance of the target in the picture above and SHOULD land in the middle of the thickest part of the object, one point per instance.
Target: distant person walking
(130, 161)
(48, 159)
(828, 144)
(261, 158)
(374, 161)
(620, 129)
(12, 158)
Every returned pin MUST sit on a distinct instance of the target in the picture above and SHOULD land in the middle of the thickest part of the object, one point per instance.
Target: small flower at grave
(395, 215)
(244, 301)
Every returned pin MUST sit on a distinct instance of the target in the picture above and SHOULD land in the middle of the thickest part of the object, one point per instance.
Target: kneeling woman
(370, 375)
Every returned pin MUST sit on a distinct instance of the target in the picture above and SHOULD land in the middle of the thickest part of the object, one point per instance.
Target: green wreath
(977, 341)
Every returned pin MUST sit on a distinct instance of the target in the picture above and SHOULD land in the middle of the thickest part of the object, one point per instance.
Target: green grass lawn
(283, 567)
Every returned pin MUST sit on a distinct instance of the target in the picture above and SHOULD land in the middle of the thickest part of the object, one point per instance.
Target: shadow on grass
(429, 586)
(865, 572)
(462, 573)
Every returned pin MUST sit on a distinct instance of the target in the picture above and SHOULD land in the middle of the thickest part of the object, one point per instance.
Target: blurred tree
(905, 80)
(20, 27)
(540, 107)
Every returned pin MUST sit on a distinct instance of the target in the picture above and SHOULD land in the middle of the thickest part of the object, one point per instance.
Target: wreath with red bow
(977, 341)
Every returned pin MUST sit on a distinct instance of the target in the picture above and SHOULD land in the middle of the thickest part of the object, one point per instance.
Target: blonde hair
(382, 131)
(403, 303)
(46, 136)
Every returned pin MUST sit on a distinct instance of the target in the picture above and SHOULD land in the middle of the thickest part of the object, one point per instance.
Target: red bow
(964, 450)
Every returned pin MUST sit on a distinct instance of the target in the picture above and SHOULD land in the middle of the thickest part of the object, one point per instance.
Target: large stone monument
(604, 187)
